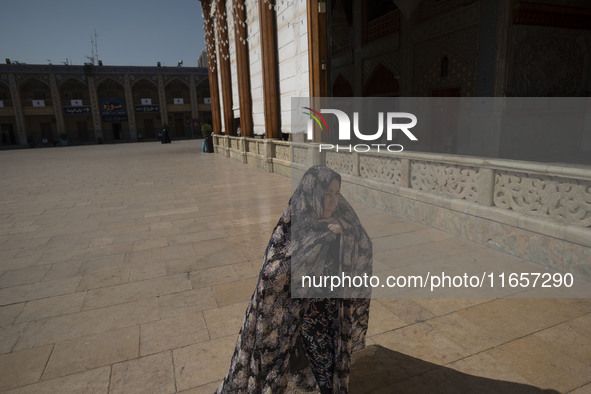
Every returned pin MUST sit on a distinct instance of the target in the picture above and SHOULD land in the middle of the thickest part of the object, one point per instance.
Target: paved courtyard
(127, 269)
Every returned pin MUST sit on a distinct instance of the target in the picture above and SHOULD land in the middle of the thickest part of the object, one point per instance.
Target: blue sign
(147, 108)
(112, 107)
(79, 110)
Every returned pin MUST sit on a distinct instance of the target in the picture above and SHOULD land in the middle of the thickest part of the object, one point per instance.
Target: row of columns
(216, 32)
(96, 113)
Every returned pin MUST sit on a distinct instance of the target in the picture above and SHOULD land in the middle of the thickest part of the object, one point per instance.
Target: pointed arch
(5, 94)
(34, 88)
(381, 83)
(142, 81)
(341, 87)
(144, 88)
(73, 89)
(109, 87)
(71, 81)
(174, 81)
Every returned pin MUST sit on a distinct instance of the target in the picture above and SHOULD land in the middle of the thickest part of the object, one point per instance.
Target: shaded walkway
(127, 268)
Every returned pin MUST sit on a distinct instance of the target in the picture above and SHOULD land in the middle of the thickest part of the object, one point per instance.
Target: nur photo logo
(316, 116)
(388, 121)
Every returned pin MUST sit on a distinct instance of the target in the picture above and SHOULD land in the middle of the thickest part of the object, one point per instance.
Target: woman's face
(331, 198)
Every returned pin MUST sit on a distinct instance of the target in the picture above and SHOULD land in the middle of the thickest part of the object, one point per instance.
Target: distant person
(165, 136)
(304, 342)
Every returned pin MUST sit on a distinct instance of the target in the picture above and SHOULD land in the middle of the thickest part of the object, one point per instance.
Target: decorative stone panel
(251, 147)
(381, 169)
(283, 152)
(340, 162)
(559, 199)
(234, 144)
(300, 155)
(460, 182)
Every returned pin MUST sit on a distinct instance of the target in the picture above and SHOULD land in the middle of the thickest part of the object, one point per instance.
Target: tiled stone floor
(127, 269)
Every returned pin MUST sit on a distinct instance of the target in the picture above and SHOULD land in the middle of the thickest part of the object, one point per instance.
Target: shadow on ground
(377, 369)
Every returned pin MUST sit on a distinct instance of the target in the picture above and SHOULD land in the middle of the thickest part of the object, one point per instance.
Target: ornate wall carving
(380, 169)
(445, 179)
(561, 199)
(546, 66)
(461, 49)
(340, 162)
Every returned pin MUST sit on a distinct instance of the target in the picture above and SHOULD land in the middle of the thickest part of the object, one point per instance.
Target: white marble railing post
(269, 153)
(355, 171)
(405, 173)
(242, 145)
(486, 187)
(315, 157)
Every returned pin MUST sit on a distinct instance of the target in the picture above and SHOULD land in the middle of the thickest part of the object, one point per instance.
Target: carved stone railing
(519, 207)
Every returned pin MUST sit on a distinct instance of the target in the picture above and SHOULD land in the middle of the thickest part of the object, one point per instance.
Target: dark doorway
(8, 137)
(179, 126)
(116, 131)
(149, 128)
(46, 131)
(46, 134)
(82, 127)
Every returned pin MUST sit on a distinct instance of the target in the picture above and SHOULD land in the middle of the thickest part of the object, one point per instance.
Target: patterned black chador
(328, 234)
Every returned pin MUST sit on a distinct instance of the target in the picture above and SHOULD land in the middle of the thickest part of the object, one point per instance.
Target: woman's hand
(333, 225)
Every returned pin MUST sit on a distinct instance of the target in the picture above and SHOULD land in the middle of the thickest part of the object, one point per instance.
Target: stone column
(57, 104)
(96, 111)
(130, 109)
(268, 22)
(224, 65)
(18, 111)
(194, 107)
(317, 53)
(208, 28)
(162, 95)
(243, 68)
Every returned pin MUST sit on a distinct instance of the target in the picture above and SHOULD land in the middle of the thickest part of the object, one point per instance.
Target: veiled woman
(318, 235)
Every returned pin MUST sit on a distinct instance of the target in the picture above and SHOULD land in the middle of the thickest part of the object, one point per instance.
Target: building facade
(525, 190)
(48, 104)
(261, 54)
